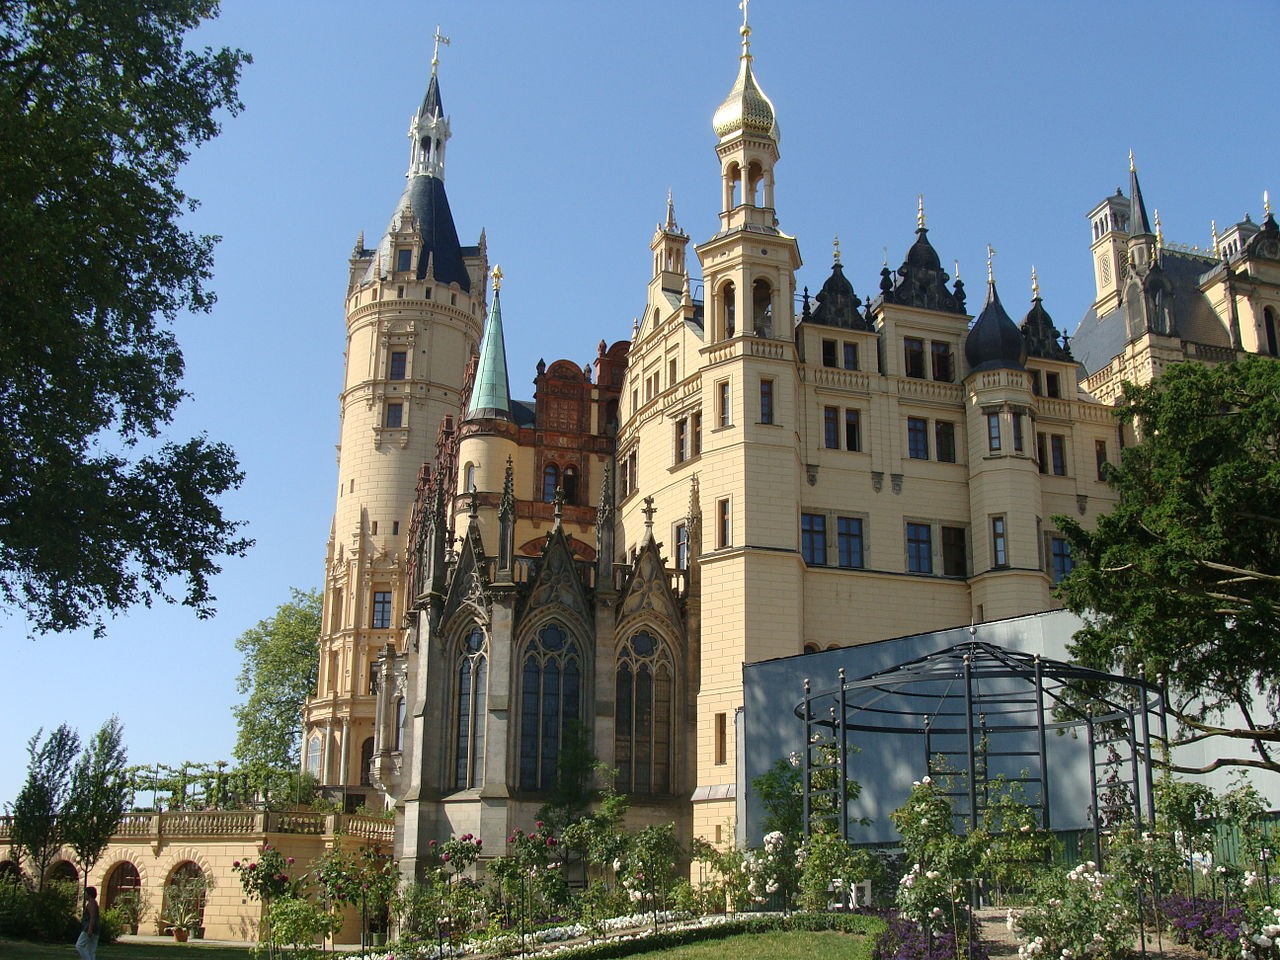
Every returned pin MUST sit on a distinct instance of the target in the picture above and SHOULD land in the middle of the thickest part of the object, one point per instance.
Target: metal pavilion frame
(982, 705)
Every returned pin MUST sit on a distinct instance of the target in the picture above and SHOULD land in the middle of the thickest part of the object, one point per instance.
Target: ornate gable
(647, 594)
(469, 586)
(556, 581)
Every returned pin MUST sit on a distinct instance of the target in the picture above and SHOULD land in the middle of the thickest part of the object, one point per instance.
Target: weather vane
(435, 54)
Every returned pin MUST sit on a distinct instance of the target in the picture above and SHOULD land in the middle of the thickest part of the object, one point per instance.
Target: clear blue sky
(570, 122)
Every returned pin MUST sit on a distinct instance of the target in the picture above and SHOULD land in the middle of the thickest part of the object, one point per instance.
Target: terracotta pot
(180, 934)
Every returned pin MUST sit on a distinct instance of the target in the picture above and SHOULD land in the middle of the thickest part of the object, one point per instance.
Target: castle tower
(414, 307)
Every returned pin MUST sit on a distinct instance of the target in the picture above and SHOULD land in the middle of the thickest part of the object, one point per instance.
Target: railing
(239, 823)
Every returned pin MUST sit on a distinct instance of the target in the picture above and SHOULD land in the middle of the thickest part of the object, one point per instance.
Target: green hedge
(612, 949)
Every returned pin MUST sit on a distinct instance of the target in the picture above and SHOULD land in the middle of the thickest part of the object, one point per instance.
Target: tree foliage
(36, 832)
(278, 674)
(98, 796)
(1182, 578)
(100, 104)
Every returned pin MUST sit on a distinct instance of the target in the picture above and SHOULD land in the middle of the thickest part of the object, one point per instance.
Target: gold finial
(745, 30)
(435, 54)
(1132, 168)
(1035, 284)
(1213, 232)
(497, 278)
(919, 211)
(1159, 232)
(991, 252)
(836, 243)
(1266, 203)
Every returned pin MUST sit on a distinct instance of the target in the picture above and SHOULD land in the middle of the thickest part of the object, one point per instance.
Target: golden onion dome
(746, 109)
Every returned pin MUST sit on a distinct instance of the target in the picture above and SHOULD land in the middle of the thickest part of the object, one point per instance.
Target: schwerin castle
(753, 474)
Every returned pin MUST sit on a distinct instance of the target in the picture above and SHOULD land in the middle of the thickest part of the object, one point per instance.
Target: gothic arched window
(550, 480)
(313, 756)
(550, 700)
(471, 704)
(645, 679)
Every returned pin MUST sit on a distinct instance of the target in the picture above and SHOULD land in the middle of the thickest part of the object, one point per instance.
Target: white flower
(794, 759)
(1025, 828)
(926, 780)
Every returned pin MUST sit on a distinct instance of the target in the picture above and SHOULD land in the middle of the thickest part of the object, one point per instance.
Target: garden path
(1002, 944)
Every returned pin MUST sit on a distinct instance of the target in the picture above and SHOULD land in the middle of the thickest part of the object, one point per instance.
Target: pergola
(976, 712)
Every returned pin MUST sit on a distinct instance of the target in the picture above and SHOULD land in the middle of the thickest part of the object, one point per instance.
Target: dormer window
(404, 259)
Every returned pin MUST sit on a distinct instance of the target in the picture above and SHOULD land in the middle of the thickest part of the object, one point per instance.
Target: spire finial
(648, 509)
(497, 278)
(836, 244)
(745, 30)
(991, 252)
(1266, 203)
(435, 54)
(885, 263)
(1132, 166)
(1213, 232)
(671, 225)
(919, 211)
(956, 276)
(1035, 284)
(1159, 232)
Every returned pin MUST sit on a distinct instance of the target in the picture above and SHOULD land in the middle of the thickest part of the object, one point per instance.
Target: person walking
(90, 926)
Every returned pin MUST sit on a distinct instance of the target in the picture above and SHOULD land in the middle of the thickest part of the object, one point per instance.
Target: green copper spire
(491, 395)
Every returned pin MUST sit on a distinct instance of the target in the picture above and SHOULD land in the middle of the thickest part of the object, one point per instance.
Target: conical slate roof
(491, 393)
(1041, 336)
(994, 342)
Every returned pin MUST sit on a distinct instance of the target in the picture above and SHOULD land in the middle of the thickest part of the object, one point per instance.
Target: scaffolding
(978, 714)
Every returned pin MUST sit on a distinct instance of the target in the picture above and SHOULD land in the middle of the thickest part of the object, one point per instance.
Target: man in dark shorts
(87, 942)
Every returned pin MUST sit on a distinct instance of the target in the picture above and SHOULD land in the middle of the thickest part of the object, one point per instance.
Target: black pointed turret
(1041, 336)
(994, 343)
(837, 303)
(1138, 222)
(432, 105)
(921, 280)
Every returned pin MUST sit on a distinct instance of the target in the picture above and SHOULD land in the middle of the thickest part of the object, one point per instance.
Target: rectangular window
(1035, 383)
(849, 541)
(404, 259)
(635, 399)
(813, 539)
(1042, 457)
(373, 528)
(993, 432)
(682, 546)
(999, 543)
(955, 556)
(395, 415)
(766, 401)
(723, 415)
(913, 357)
(919, 548)
(1060, 562)
(1058, 454)
(1100, 456)
(395, 528)
(917, 438)
(831, 428)
(1017, 433)
(381, 618)
(943, 368)
(852, 430)
(944, 439)
(724, 527)
(1052, 384)
(396, 368)
(851, 356)
(671, 373)
(682, 440)
(829, 353)
(722, 753)
(695, 434)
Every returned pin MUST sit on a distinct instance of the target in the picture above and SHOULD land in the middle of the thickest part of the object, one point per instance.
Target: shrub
(904, 940)
(1082, 911)
(48, 914)
(1206, 924)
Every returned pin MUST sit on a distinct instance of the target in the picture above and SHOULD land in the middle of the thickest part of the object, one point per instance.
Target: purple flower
(445, 858)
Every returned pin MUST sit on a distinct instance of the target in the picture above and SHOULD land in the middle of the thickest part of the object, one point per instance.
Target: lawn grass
(25, 950)
(820, 945)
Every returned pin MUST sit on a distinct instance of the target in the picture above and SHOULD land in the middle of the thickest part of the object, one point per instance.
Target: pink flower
(551, 841)
(431, 844)
(445, 858)
(253, 866)
(538, 824)
(289, 860)
(479, 844)
(235, 864)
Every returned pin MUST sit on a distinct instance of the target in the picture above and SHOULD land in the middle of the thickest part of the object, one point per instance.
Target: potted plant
(184, 906)
(129, 909)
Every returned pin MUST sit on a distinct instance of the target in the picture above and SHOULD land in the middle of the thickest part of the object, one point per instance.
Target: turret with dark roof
(1040, 335)
(921, 280)
(837, 303)
(994, 342)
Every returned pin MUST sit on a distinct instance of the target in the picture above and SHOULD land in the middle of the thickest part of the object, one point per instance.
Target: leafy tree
(100, 103)
(98, 795)
(1182, 578)
(278, 674)
(36, 831)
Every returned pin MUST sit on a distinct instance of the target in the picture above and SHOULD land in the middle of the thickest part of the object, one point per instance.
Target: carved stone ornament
(877, 480)
(895, 479)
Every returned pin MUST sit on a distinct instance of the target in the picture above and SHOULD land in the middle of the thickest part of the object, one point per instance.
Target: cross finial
(1266, 203)
(957, 271)
(1132, 166)
(745, 30)
(435, 54)
(1035, 284)
(497, 278)
(991, 252)
(836, 244)
(648, 510)
(919, 211)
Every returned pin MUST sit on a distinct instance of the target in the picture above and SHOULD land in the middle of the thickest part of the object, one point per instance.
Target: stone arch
(121, 877)
(553, 668)
(62, 870)
(648, 682)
